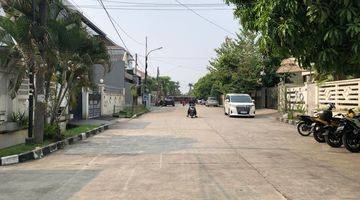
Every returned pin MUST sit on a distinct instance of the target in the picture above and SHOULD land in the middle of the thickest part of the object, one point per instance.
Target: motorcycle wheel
(332, 140)
(303, 129)
(351, 142)
(319, 137)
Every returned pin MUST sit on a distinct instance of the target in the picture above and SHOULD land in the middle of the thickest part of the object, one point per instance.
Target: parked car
(212, 101)
(239, 105)
(169, 101)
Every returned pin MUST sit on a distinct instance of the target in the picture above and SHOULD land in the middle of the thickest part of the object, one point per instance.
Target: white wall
(109, 101)
(344, 94)
(19, 103)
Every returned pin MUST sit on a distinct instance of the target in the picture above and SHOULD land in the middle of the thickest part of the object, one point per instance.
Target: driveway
(164, 155)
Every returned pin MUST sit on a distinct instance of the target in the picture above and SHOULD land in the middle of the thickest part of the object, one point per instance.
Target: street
(164, 155)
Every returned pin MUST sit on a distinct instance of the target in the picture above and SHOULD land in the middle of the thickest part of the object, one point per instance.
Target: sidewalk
(107, 120)
(98, 121)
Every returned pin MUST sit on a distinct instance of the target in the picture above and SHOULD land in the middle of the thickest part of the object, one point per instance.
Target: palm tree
(57, 45)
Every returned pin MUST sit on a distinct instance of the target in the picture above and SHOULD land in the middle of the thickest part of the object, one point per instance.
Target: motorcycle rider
(191, 105)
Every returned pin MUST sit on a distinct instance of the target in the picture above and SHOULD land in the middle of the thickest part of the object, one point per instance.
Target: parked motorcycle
(304, 125)
(350, 129)
(322, 123)
(329, 134)
(333, 135)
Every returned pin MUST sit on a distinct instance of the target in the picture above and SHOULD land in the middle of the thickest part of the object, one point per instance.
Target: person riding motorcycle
(191, 107)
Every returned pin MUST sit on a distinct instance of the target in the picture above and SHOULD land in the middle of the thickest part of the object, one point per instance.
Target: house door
(94, 105)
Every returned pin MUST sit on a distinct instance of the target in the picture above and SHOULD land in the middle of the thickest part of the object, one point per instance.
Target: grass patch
(22, 148)
(77, 130)
(129, 112)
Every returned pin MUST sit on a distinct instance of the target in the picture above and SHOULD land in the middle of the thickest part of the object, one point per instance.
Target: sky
(188, 41)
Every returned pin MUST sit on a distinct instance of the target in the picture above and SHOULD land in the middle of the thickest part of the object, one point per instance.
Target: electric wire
(127, 34)
(157, 9)
(164, 4)
(204, 18)
(110, 18)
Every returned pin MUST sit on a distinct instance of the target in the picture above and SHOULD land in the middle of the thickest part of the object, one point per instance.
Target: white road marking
(128, 180)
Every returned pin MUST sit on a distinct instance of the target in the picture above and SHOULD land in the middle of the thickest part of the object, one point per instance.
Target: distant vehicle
(239, 105)
(211, 101)
(169, 101)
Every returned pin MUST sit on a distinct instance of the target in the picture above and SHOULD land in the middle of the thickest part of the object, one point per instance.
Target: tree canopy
(322, 33)
(239, 67)
(55, 44)
(166, 86)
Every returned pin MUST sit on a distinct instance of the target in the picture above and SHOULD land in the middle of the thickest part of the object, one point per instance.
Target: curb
(288, 121)
(139, 114)
(39, 153)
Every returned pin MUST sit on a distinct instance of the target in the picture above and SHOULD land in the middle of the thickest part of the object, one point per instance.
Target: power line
(164, 4)
(128, 35)
(175, 65)
(204, 18)
(110, 18)
(156, 9)
(76, 5)
(182, 58)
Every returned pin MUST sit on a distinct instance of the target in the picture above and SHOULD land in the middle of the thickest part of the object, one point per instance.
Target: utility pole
(146, 64)
(40, 96)
(30, 138)
(136, 63)
(146, 67)
(158, 85)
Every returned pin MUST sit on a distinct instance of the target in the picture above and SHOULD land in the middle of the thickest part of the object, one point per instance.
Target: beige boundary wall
(310, 97)
(112, 100)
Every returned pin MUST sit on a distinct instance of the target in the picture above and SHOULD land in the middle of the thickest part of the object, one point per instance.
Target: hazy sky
(188, 40)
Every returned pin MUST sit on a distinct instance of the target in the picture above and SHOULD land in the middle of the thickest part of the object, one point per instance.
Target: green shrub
(20, 119)
(128, 112)
(50, 131)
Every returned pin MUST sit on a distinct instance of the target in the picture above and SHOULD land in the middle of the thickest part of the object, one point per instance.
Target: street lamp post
(146, 66)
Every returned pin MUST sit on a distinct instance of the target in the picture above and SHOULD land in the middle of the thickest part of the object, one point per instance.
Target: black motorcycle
(350, 129)
(192, 111)
(304, 125)
(324, 119)
(333, 135)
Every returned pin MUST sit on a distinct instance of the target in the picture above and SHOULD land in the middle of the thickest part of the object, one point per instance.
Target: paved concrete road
(164, 155)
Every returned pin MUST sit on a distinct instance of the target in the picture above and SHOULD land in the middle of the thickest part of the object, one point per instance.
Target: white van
(239, 105)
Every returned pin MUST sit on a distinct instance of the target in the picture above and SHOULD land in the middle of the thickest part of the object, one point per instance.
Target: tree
(77, 53)
(237, 68)
(202, 88)
(325, 33)
(57, 45)
(168, 87)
